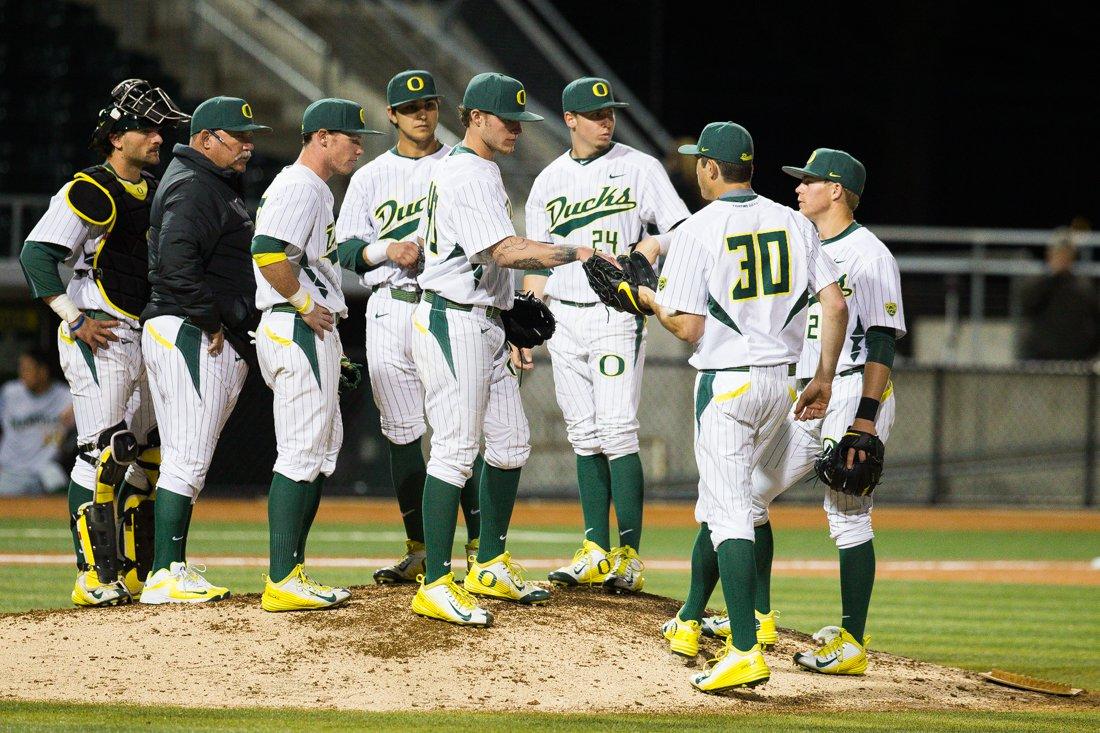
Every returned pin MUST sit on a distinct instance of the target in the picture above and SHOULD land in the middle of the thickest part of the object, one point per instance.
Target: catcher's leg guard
(95, 520)
(136, 538)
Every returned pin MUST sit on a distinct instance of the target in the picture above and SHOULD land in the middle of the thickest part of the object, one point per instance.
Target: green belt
(432, 297)
(98, 315)
(409, 296)
(791, 369)
(854, 370)
(579, 305)
(288, 308)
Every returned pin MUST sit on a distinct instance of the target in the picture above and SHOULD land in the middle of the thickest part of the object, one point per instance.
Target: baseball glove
(638, 271)
(529, 322)
(862, 478)
(351, 374)
(613, 288)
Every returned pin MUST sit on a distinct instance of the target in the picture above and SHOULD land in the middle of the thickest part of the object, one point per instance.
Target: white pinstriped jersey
(384, 202)
(466, 213)
(604, 203)
(297, 209)
(871, 284)
(28, 421)
(745, 262)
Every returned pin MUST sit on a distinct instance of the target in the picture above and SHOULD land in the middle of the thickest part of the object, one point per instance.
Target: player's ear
(391, 115)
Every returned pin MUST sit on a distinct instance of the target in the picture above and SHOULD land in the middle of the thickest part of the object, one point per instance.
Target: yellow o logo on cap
(521, 96)
(600, 89)
(246, 110)
(811, 160)
(414, 84)
(362, 116)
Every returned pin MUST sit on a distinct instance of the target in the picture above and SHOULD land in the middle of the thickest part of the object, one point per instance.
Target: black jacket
(200, 259)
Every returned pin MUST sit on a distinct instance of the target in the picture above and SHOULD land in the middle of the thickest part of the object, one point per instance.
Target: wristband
(376, 251)
(75, 325)
(64, 306)
(868, 409)
(301, 301)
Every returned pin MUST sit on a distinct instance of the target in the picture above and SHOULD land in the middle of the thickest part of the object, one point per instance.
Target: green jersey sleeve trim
(881, 344)
(350, 254)
(263, 244)
(544, 272)
(39, 261)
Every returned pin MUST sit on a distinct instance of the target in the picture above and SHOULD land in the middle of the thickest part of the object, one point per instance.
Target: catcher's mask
(135, 105)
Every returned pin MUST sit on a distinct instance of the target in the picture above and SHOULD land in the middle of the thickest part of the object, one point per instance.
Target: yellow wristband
(301, 301)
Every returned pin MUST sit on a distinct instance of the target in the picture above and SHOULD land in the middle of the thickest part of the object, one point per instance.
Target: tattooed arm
(525, 254)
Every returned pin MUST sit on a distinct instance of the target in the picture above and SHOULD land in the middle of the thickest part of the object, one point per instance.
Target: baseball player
(36, 412)
(298, 290)
(96, 225)
(735, 286)
(195, 337)
(601, 194)
(460, 355)
(376, 226)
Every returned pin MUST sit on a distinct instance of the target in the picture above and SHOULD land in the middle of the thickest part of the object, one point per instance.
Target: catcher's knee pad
(148, 459)
(95, 520)
(136, 537)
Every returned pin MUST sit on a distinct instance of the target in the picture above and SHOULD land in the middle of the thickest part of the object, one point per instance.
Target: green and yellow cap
(588, 94)
(336, 115)
(409, 86)
(832, 165)
(724, 141)
(500, 95)
(225, 113)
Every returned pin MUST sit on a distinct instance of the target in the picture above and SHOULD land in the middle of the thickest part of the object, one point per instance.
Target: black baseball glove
(862, 478)
(351, 374)
(529, 322)
(613, 287)
(637, 270)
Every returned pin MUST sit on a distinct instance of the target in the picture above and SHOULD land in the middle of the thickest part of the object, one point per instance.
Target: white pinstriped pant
(191, 416)
(116, 390)
(736, 413)
(396, 386)
(308, 427)
(469, 396)
(789, 457)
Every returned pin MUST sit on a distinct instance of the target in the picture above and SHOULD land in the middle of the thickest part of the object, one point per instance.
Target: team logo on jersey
(566, 217)
(397, 222)
(891, 309)
(330, 243)
(662, 281)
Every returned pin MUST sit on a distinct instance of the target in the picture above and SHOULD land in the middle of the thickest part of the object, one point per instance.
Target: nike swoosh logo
(826, 663)
(618, 176)
(405, 514)
(503, 537)
(625, 531)
(96, 594)
(379, 315)
(323, 597)
(459, 613)
(833, 175)
(177, 539)
(703, 150)
(475, 511)
(485, 330)
(447, 564)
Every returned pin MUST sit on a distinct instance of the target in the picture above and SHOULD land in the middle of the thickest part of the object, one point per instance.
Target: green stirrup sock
(627, 489)
(471, 506)
(78, 496)
(594, 484)
(440, 520)
(309, 512)
(186, 531)
(498, 497)
(704, 576)
(764, 549)
(857, 578)
(171, 513)
(738, 571)
(407, 471)
(286, 507)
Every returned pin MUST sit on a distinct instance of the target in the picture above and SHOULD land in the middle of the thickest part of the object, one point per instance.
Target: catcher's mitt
(351, 374)
(529, 322)
(613, 288)
(862, 478)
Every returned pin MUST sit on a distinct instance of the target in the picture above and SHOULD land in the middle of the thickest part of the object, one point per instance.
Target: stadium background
(909, 93)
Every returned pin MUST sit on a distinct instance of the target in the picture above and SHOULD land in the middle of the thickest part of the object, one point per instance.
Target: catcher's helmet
(135, 105)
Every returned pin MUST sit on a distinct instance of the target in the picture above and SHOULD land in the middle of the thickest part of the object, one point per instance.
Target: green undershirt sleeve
(350, 253)
(881, 342)
(263, 244)
(545, 272)
(39, 261)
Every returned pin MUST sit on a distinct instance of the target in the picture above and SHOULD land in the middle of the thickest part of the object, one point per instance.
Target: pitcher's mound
(584, 652)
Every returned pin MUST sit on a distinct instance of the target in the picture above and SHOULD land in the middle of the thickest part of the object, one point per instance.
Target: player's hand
(864, 426)
(96, 333)
(217, 343)
(522, 359)
(320, 320)
(585, 253)
(647, 298)
(814, 400)
(403, 254)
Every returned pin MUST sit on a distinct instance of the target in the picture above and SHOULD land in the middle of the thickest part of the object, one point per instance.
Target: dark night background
(962, 117)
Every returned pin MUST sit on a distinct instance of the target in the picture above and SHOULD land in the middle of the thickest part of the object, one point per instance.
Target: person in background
(36, 412)
(1061, 310)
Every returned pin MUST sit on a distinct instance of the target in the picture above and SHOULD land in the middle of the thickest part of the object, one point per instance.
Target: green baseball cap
(408, 86)
(336, 115)
(832, 165)
(225, 113)
(588, 94)
(724, 141)
(500, 95)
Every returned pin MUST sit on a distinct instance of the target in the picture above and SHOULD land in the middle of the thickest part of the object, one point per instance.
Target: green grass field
(1050, 631)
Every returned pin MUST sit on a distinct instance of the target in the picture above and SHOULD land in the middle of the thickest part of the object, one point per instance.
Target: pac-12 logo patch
(892, 309)
(662, 281)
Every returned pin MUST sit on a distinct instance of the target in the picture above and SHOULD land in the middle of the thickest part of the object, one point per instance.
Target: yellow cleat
(181, 583)
(406, 569)
(683, 636)
(88, 591)
(445, 600)
(471, 552)
(298, 592)
(840, 653)
(766, 632)
(626, 571)
(733, 668)
(504, 579)
(590, 565)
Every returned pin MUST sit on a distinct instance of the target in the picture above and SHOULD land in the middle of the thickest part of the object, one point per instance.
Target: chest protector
(120, 264)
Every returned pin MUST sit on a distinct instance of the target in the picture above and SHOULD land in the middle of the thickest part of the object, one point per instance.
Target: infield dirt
(584, 652)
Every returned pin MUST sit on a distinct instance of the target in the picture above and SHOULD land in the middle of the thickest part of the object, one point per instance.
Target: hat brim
(602, 105)
(406, 100)
(689, 150)
(524, 116)
(251, 127)
(360, 131)
(799, 173)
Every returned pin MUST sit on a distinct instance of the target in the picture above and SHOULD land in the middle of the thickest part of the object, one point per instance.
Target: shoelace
(515, 571)
(192, 573)
(833, 647)
(722, 653)
(461, 595)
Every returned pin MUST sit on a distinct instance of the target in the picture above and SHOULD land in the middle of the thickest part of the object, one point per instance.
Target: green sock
(309, 512)
(440, 520)
(704, 576)
(628, 489)
(594, 483)
(764, 549)
(471, 506)
(286, 507)
(498, 497)
(857, 578)
(78, 496)
(172, 513)
(186, 531)
(738, 571)
(407, 472)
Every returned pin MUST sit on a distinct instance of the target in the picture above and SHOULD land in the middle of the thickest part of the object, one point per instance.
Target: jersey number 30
(765, 264)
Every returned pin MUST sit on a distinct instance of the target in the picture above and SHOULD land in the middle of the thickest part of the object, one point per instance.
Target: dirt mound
(585, 652)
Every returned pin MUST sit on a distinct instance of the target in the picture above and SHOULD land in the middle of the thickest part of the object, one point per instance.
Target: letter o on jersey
(612, 365)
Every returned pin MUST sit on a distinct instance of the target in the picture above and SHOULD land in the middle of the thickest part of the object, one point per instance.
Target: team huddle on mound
(177, 294)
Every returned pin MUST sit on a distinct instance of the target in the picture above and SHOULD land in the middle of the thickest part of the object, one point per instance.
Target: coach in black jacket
(203, 295)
